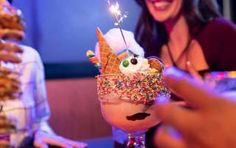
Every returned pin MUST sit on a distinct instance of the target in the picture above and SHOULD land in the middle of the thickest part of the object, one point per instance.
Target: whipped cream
(116, 42)
(133, 65)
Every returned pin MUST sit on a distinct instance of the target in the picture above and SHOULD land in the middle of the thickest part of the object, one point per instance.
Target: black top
(218, 42)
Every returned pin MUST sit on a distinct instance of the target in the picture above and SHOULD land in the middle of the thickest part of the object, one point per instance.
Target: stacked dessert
(11, 29)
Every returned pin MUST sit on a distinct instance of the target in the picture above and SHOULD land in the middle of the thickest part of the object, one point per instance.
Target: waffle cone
(109, 60)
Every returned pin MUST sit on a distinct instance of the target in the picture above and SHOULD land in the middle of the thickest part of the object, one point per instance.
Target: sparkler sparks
(119, 17)
(115, 10)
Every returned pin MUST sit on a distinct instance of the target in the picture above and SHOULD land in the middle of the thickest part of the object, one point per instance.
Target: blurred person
(188, 34)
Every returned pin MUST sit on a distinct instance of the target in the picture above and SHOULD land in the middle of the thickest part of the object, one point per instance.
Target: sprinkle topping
(138, 89)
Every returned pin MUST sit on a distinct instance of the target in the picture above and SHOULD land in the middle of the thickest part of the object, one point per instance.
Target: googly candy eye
(134, 61)
(125, 63)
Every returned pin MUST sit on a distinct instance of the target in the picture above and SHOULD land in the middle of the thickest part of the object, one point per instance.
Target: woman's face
(164, 10)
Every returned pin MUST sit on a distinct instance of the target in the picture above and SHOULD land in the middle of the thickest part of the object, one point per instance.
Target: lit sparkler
(119, 17)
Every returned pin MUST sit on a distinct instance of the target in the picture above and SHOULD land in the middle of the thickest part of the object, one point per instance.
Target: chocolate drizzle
(138, 116)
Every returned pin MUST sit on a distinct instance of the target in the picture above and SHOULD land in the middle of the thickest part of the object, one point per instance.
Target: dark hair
(151, 35)
(10, 1)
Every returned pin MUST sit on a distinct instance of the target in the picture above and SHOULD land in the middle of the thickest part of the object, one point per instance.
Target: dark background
(234, 10)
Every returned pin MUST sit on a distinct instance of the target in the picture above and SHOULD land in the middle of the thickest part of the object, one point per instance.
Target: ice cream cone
(109, 60)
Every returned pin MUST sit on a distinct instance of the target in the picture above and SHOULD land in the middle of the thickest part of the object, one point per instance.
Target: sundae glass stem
(136, 140)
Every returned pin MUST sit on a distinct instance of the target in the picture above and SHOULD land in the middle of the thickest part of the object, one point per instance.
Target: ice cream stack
(11, 30)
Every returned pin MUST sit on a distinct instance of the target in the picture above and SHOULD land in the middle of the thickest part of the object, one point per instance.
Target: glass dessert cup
(128, 103)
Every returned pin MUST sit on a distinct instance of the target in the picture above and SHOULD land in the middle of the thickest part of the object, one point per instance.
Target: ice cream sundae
(129, 84)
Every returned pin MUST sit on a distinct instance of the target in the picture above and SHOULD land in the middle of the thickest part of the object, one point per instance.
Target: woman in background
(188, 34)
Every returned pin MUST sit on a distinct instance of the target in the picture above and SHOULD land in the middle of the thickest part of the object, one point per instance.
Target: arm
(40, 97)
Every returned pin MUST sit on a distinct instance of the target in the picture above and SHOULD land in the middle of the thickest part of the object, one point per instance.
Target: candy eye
(125, 63)
(134, 61)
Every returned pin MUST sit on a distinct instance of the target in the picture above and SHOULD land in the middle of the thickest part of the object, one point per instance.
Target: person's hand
(43, 140)
(210, 123)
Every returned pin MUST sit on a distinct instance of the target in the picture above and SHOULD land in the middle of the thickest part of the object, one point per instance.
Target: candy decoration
(156, 63)
(123, 54)
(138, 88)
(92, 58)
(90, 53)
(125, 63)
(134, 61)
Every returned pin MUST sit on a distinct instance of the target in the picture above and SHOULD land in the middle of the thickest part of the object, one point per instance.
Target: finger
(57, 141)
(191, 69)
(189, 89)
(164, 139)
(49, 139)
(76, 144)
(63, 142)
(176, 116)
